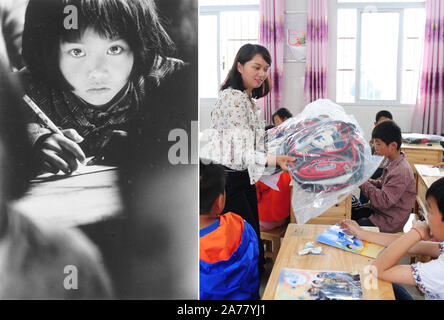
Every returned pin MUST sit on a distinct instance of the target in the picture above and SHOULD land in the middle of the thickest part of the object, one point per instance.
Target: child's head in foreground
(435, 214)
(388, 138)
(383, 115)
(212, 188)
(92, 47)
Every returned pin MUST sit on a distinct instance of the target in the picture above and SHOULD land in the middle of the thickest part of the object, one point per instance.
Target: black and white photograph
(98, 173)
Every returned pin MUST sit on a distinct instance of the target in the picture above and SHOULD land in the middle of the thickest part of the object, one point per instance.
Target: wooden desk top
(428, 180)
(436, 146)
(73, 200)
(334, 260)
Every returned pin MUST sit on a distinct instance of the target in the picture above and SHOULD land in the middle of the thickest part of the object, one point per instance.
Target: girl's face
(434, 219)
(277, 120)
(253, 72)
(96, 67)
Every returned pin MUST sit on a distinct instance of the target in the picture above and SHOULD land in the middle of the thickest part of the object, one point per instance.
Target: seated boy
(228, 244)
(381, 116)
(392, 197)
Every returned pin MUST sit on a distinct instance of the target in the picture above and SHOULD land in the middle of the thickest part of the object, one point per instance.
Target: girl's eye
(114, 50)
(77, 53)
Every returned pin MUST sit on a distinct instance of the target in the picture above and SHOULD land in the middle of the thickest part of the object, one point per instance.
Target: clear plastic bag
(332, 157)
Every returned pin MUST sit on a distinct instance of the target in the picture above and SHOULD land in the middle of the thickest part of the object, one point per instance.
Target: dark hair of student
(245, 54)
(388, 131)
(282, 113)
(136, 22)
(15, 148)
(385, 114)
(211, 184)
(436, 191)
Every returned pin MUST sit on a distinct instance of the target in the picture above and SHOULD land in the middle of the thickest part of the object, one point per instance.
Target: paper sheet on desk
(431, 172)
(82, 169)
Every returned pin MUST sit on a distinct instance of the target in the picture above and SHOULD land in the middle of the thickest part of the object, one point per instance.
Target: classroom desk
(422, 154)
(423, 182)
(334, 260)
(73, 200)
(333, 215)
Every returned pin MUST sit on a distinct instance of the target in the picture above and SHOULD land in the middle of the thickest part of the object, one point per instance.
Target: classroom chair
(272, 241)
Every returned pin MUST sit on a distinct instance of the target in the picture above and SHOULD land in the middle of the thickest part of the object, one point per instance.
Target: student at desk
(392, 197)
(429, 277)
(37, 261)
(228, 244)
(91, 80)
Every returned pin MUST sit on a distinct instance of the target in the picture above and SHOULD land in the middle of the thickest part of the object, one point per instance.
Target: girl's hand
(423, 228)
(351, 227)
(62, 152)
(281, 161)
(439, 165)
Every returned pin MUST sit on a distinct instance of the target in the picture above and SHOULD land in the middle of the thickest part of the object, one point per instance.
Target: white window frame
(381, 7)
(216, 11)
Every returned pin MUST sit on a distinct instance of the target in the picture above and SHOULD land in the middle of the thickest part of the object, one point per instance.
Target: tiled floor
(414, 292)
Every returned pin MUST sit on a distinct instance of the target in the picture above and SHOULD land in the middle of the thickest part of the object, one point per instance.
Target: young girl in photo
(90, 65)
(428, 277)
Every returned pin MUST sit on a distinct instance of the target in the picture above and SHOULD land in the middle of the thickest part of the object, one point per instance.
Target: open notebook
(81, 170)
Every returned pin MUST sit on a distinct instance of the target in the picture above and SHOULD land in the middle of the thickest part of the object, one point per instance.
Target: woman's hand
(351, 227)
(62, 152)
(423, 229)
(281, 161)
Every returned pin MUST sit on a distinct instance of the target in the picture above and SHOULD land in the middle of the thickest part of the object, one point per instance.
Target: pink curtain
(428, 116)
(272, 36)
(317, 51)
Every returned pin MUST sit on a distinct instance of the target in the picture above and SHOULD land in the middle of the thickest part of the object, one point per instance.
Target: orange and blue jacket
(229, 254)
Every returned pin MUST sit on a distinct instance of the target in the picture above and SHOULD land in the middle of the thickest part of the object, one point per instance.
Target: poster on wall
(296, 35)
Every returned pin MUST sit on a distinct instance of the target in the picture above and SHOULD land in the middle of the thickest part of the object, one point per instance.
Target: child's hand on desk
(351, 227)
(59, 152)
(439, 165)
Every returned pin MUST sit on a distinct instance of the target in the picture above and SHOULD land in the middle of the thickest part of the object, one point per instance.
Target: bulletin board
(295, 36)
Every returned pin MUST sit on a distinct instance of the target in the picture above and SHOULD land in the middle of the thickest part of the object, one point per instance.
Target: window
(224, 26)
(379, 49)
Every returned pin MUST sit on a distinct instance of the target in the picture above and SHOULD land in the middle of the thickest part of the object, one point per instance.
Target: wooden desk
(422, 154)
(333, 215)
(73, 200)
(334, 260)
(422, 184)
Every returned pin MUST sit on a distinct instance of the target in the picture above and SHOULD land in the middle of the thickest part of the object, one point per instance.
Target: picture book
(297, 284)
(335, 237)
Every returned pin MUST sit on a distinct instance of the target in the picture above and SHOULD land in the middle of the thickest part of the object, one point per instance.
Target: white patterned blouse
(236, 137)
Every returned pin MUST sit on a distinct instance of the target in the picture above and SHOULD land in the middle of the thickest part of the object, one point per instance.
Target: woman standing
(238, 128)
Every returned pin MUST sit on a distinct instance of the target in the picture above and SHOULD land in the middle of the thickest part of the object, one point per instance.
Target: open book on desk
(81, 170)
(334, 236)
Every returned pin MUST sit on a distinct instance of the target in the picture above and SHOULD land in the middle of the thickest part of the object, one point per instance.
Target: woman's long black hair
(245, 54)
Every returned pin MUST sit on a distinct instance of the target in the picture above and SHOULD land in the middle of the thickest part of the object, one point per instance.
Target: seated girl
(429, 277)
(90, 66)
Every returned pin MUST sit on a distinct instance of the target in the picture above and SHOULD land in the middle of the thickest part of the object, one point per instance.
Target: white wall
(293, 85)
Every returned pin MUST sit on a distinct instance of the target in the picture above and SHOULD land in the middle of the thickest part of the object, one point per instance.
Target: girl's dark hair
(15, 149)
(436, 191)
(282, 113)
(211, 184)
(245, 54)
(388, 131)
(136, 22)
